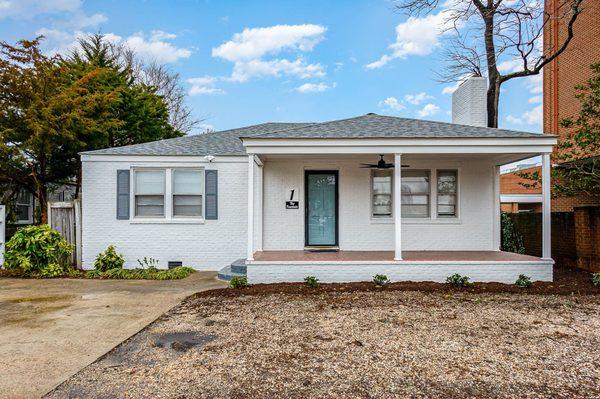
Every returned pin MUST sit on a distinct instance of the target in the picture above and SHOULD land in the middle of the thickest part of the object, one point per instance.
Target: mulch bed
(567, 281)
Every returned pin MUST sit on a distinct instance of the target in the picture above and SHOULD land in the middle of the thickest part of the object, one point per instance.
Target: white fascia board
(541, 144)
(163, 158)
(522, 198)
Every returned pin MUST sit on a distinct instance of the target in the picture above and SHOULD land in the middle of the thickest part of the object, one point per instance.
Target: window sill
(417, 221)
(166, 221)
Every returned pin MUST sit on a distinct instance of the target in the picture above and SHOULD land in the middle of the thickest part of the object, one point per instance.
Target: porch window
(446, 193)
(415, 194)
(150, 193)
(188, 190)
(381, 193)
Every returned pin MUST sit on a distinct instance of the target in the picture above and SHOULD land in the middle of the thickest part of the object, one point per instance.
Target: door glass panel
(321, 208)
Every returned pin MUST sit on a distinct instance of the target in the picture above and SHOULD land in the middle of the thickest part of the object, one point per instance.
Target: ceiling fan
(381, 164)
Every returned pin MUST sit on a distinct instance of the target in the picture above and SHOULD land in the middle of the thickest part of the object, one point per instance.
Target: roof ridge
(308, 124)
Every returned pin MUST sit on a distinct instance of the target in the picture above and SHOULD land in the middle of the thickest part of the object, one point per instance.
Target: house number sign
(291, 204)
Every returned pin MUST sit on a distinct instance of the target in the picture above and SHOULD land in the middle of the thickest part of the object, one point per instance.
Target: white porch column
(259, 239)
(250, 249)
(546, 215)
(496, 224)
(398, 206)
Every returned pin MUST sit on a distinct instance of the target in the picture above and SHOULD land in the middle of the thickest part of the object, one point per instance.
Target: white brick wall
(469, 102)
(284, 228)
(208, 246)
(507, 272)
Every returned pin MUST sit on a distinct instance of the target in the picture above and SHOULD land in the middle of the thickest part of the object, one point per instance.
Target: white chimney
(469, 103)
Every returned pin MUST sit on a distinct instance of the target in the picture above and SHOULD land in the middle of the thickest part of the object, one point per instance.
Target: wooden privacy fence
(2, 232)
(65, 217)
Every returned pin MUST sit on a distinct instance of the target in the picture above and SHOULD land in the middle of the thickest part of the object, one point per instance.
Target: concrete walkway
(50, 329)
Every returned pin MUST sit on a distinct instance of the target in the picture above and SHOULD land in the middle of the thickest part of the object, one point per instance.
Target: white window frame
(429, 194)
(168, 203)
(433, 216)
(171, 194)
(30, 207)
(456, 194)
(372, 193)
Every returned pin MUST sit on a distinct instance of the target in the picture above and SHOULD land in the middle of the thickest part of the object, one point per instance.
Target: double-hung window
(447, 183)
(381, 193)
(188, 189)
(415, 194)
(24, 207)
(150, 193)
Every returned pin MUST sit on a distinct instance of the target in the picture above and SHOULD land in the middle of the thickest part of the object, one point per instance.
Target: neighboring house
(341, 200)
(516, 196)
(26, 206)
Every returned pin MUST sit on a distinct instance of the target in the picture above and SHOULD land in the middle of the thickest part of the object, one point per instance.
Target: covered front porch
(433, 210)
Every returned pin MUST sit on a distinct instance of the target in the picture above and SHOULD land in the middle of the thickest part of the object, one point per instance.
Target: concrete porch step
(236, 269)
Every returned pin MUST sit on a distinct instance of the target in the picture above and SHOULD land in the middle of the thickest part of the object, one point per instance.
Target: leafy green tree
(52, 108)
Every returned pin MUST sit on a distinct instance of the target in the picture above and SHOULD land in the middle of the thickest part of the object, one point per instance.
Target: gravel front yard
(345, 344)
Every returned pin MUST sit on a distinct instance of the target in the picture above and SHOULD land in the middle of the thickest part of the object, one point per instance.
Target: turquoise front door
(321, 208)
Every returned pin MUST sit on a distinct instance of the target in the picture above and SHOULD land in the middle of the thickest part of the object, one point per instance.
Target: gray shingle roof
(228, 142)
(381, 126)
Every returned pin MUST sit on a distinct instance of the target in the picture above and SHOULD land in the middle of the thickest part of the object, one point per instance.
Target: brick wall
(575, 236)
(572, 67)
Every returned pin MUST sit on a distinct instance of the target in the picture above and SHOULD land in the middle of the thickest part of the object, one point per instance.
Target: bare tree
(487, 33)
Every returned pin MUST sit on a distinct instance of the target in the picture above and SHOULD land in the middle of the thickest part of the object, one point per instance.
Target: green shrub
(109, 259)
(596, 279)
(512, 240)
(380, 280)
(238, 282)
(34, 248)
(458, 280)
(311, 281)
(52, 270)
(523, 281)
(176, 273)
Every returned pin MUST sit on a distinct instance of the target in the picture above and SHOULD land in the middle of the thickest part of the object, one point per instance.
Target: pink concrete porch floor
(407, 256)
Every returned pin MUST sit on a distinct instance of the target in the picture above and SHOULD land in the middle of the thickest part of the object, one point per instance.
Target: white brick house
(342, 200)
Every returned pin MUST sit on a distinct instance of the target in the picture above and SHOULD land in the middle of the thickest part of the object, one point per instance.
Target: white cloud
(27, 9)
(242, 71)
(415, 36)
(392, 103)
(250, 49)
(533, 117)
(256, 42)
(428, 110)
(418, 98)
(536, 99)
(204, 85)
(535, 83)
(314, 87)
(154, 48)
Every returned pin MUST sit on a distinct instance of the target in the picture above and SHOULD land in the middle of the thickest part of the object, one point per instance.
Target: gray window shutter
(123, 194)
(211, 185)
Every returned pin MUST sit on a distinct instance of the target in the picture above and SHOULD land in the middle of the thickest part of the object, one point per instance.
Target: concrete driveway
(50, 329)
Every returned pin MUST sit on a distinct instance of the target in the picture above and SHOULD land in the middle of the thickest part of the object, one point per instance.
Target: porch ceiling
(380, 256)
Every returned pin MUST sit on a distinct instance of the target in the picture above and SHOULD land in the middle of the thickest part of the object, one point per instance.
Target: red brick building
(561, 76)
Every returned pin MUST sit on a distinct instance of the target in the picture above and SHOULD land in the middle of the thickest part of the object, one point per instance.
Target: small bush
(175, 273)
(523, 281)
(52, 270)
(35, 248)
(311, 281)
(238, 282)
(380, 280)
(109, 259)
(458, 280)
(596, 279)
(148, 263)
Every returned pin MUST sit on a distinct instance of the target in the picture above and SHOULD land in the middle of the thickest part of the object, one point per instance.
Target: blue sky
(250, 62)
